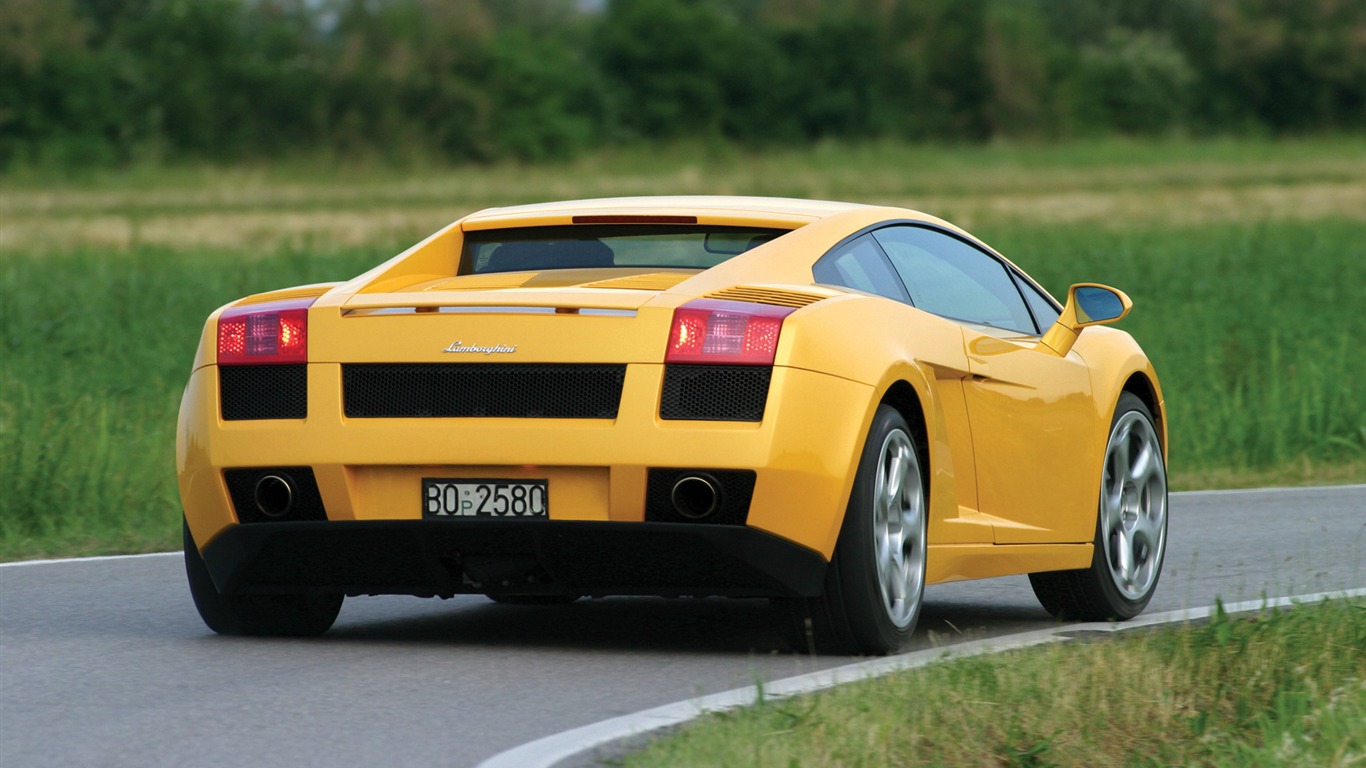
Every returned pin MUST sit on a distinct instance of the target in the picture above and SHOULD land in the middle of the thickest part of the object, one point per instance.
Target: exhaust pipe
(696, 497)
(274, 496)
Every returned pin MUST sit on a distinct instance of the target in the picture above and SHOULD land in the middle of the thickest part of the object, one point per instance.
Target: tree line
(108, 82)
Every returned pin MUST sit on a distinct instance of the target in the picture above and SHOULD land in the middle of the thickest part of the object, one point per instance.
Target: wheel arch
(1144, 388)
(898, 391)
(1118, 365)
(902, 396)
(910, 390)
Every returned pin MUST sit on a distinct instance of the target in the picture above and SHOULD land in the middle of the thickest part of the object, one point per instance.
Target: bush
(1136, 82)
(86, 84)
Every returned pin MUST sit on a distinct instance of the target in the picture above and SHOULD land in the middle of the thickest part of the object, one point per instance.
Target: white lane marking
(1328, 488)
(550, 750)
(1289, 489)
(97, 559)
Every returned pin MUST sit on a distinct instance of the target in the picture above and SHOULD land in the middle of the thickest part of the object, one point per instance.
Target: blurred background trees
(109, 82)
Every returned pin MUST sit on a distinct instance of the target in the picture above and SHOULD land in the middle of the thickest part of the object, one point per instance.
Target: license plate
(446, 497)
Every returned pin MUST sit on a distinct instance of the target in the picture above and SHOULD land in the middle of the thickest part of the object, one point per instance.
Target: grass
(1279, 688)
(1248, 308)
(1113, 184)
(97, 349)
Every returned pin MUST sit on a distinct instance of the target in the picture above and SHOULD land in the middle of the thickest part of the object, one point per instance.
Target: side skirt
(961, 562)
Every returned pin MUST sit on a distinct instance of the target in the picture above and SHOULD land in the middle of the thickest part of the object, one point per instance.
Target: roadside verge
(574, 746)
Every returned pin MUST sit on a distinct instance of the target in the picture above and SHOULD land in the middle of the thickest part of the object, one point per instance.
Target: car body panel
(1013, 433)
(809, 472)
(1031, 409)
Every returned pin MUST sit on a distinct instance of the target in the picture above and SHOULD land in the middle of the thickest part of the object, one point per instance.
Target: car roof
(708, 209)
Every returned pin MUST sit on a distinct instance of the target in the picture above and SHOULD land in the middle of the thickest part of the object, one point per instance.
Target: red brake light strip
(269, 333)
(709, 331)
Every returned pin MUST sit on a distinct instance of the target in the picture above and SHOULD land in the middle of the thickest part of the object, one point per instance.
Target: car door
(1029, 411)
(861, 264)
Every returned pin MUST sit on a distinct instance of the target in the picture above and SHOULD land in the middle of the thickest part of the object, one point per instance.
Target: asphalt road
(105, 662)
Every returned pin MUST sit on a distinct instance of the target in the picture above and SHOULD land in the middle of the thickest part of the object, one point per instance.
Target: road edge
(550, 751)
(95, 559)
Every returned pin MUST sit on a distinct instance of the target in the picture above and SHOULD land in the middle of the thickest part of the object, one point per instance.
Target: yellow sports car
(827, 404)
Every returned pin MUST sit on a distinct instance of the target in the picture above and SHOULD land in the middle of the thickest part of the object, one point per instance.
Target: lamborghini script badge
(476, 349)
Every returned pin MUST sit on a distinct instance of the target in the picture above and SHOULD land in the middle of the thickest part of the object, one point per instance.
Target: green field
(1246, 262)
(1281, 688)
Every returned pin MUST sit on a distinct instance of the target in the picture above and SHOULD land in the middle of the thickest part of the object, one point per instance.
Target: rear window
(592, 246)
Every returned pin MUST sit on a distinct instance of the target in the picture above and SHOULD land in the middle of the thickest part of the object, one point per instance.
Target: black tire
(533, 599)
(875, 583)
(1131, 521)
(260, 615)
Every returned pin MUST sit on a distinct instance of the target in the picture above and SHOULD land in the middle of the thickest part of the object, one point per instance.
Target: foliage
(1138, 82)
(94, 84)
(90, 387)
(1277, 688)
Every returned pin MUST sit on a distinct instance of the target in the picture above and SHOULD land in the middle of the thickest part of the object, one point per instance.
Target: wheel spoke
(1119, 465)
(1147, 531)
(1143, 465)
(896, 579)
(1124, 568)
(896, 477)
(880, 495)
(1112, 484)
(1112, 507)
(1112, 502)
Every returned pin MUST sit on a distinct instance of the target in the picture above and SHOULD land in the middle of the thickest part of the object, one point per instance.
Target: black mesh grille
(452, 390)
(308, 503)
(736, 489)
(715, 392)
(263, 391)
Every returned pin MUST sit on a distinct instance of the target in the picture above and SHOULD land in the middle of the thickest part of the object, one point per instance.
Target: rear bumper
(448, 557)
(370, 470)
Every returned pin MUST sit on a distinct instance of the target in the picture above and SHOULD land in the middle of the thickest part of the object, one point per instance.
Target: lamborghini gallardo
(830, 405)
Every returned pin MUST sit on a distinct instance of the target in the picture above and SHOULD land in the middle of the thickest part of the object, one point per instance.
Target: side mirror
(1087, 304)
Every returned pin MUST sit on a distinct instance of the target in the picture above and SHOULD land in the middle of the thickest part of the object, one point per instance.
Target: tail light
(725, 333)
(269, 333)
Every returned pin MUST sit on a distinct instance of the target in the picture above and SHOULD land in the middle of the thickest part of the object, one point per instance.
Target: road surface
(105, 662)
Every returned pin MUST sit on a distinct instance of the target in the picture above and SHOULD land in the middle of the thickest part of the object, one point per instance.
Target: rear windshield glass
(667, 246)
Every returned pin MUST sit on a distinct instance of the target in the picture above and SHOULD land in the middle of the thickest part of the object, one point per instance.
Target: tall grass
(1282, 688)
(96, 348)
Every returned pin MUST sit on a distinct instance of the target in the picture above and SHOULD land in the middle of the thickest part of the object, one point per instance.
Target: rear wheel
(1131, 528)
(277, 615)
(876, 579)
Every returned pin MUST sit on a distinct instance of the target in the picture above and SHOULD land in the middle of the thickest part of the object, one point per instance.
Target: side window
(860, 264)
(1045, 314)
(948, 277)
